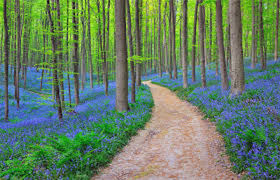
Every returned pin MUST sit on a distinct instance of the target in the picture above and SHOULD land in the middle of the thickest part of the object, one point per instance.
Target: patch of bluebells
(250, 123)
(36, 122)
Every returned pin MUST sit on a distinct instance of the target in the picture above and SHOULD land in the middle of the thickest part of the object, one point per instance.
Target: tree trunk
(131, 52)
(194, 42)
(220, 39)
(104, 53)
(83, 47)
(238, 79)
(254, 38)
(165, 41)
(185, 44)
(54, 49)
(6, 47)
(262, 53)
(202, 49)
(159, 39)
(173, 35)
(121, 52)
(18, 51)
(67, 55)
(89, 49)
(138, 43)
(76, 50)
(276, 32)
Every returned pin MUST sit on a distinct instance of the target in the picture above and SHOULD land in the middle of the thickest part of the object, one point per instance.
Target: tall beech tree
(194, 41)
(202, 36)
(277, 32)
(237, 67)
(185, 44)
(121, 52)
(75, 58)
(131, 51)
(6, 49)
(220, 40)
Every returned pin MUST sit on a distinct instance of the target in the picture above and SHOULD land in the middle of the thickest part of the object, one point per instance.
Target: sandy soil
(176, 144)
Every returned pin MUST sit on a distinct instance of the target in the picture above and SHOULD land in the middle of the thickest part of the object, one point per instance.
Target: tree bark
(55, 67)
(220, 40)
(83, 47)
(18, 51)
(159, 38)
(237, 79)
(194, 42)
(276, 32)
(6, 47)
(202, 49)
(254, 39)
(138, 43)
(89, 48)
(262, 53)
(121, 52)
(173, 37)
(76, 49)
(185, 44)
(131, 52)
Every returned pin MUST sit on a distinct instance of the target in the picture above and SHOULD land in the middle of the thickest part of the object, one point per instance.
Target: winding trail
(176, 144)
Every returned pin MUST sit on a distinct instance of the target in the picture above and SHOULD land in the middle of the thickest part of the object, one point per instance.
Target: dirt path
(176, 144)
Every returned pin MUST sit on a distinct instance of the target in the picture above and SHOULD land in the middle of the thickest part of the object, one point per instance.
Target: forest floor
(176, 144)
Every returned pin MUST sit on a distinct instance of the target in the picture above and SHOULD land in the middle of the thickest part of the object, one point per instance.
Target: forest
(139, 89)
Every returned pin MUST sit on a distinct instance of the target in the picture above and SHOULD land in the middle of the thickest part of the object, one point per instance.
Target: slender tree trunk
(60, 55)
(262, 48)
(159, 38)
(18, 51)
(210, 36)
(276, 32)
(165, 40)
(220, 39)
(121, 48)
(76, 50)
(185, 44)
(238, 79)
(89, 48)
(138, 42)
(202, 49)
(194, 41)
(173, 35)
(104, 53)
(131, 52)
(83, 47)
(6, 47)
(55, 67)
(67, 55)
(254, 39)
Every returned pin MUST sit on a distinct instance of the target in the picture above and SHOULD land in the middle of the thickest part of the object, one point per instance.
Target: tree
(220, 40)
(18, 51)
(262, 53)
(194, 41)
(54, 60)
(185, 44)
(75, 22)
(238, 77)
(132, 72)
(254, 39)
(202, 49)
(173, 37)
(138, 42)
(159, 38)
(89, 47)
(121, 52)
(6, 47)
(276, 32)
